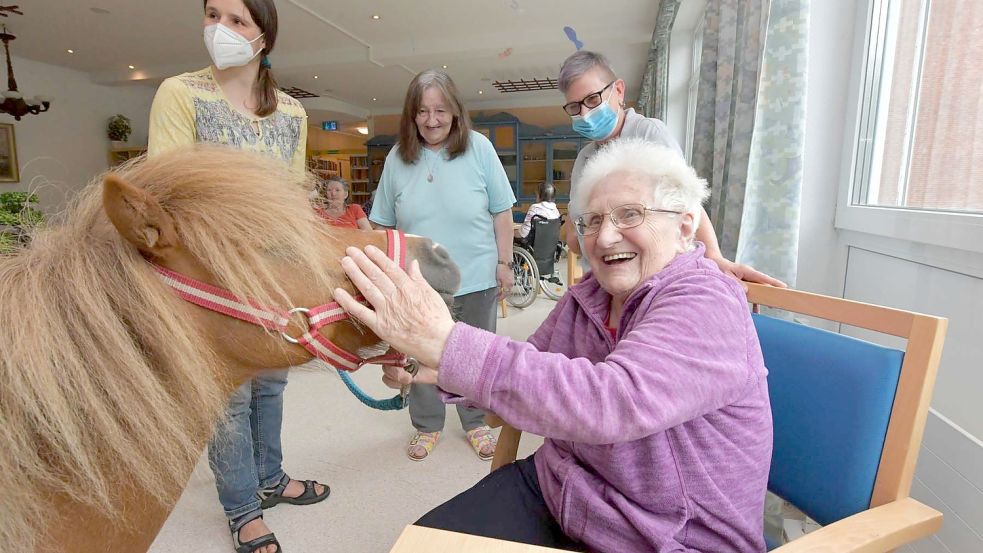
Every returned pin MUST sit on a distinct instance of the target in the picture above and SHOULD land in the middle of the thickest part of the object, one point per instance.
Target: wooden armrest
(876, 530)
(493, 420)
(418, 539)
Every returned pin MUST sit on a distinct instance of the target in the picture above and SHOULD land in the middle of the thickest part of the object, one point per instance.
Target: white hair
(675, 185)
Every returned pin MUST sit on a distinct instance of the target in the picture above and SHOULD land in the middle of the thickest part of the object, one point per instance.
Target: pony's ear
(138, 217)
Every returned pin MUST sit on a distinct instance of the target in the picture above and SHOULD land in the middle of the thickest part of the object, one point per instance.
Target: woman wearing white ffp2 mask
(236, 102)
(228, 48)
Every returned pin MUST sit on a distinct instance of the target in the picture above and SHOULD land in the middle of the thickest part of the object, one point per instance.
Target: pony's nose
(440, 270)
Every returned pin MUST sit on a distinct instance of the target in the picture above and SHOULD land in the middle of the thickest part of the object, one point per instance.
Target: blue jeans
(245, 453)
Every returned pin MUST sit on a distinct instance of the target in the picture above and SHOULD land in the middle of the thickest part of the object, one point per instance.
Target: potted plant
(18, 216)
(119, 130)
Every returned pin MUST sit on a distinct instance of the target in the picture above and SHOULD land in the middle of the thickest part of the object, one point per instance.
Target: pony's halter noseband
(224, 302)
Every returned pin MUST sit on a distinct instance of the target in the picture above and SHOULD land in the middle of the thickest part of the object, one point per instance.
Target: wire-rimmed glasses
(623, 217)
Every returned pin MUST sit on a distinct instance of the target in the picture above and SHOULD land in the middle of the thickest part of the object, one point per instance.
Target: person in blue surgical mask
(595, 102)
(235, 101)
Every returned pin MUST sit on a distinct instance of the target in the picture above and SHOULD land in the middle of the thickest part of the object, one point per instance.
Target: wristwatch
(506, 263)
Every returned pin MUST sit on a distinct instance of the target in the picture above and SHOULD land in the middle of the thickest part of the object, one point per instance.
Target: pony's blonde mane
(102, 383)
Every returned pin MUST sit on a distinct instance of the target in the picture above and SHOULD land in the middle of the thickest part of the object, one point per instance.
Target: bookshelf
(325, 168)
(361, 188)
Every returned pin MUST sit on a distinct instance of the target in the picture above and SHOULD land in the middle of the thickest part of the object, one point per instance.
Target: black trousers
(507, 504)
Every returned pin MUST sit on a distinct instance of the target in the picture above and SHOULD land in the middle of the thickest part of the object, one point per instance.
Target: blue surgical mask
(598, 124)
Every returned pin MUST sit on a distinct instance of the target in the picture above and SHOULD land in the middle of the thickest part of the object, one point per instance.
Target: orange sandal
(421, 445)
(483, 442)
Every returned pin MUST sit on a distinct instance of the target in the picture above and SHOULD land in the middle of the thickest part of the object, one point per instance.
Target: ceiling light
(131, 67)
(373, 99)
(12, 101)
(70, 51)
(376, 17)
(362, 130)
(315, 76)
(444, 66)
(481, 92)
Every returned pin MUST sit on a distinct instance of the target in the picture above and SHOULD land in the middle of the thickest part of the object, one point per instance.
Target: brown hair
(263, 13)
(409, 136)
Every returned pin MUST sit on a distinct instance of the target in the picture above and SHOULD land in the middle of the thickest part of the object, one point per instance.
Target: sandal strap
(262, 541)
(235, 524)
(274, 491)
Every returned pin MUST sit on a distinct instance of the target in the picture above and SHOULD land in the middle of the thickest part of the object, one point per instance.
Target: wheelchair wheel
(526, 279)
(554, 286)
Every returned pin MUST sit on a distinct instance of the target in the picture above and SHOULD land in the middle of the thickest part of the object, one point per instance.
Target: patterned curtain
(730, 64)
(652, 97)
(769, 235)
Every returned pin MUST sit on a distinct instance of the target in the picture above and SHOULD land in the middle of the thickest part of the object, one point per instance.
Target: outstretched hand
(406, 312)
(746, 273)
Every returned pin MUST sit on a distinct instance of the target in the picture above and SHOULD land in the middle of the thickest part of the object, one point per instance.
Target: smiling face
(434, 118)
(623, 258)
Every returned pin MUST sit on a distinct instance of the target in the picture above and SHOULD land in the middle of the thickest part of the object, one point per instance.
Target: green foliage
(7, 243)
(17, 209)
(119, 128)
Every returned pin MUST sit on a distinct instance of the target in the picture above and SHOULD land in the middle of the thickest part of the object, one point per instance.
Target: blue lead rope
(392, 404)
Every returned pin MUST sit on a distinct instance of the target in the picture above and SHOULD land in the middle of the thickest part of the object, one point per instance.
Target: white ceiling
(355, 58)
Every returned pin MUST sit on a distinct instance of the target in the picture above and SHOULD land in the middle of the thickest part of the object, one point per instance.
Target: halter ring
(307, 322)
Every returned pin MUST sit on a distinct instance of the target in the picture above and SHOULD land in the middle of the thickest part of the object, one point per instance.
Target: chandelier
(13, 101)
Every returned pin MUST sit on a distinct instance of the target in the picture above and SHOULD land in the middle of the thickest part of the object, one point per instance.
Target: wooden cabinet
(122, 155)
(547, 155)
(502, 129)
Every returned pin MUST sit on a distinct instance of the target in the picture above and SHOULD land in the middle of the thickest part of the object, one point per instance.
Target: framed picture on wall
(9, 170)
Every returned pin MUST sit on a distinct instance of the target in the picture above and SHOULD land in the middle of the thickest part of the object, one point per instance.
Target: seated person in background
(646, 380)
(545, 207)
(331, 201)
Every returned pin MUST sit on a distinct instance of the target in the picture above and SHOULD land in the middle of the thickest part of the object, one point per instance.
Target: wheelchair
(534, 263)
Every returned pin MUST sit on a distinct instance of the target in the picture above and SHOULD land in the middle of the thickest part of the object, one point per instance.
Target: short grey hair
(675, 185)
(580, 63)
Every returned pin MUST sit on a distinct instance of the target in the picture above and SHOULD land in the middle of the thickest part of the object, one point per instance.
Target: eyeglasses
(590, 101)
(623, 217)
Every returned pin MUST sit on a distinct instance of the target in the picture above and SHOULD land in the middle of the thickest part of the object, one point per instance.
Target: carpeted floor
(329, 436)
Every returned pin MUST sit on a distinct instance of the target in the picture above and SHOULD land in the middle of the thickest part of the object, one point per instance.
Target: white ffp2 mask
(227, 47)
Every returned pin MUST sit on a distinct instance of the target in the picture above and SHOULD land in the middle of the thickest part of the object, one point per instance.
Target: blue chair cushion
(831, 399)
(518, 216)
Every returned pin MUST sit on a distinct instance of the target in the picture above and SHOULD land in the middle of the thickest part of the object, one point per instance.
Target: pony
(110, 384)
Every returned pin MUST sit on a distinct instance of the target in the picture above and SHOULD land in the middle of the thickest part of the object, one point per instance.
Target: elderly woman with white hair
(646, 380)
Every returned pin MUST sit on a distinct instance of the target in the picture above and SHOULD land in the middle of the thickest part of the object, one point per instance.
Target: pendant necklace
(430, 167)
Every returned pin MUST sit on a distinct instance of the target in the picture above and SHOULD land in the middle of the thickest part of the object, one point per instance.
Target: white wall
(60, 150)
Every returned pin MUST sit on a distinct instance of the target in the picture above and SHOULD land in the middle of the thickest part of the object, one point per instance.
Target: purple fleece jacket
(658, 441)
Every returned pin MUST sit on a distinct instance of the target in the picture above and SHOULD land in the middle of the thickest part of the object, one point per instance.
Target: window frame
(952, 229)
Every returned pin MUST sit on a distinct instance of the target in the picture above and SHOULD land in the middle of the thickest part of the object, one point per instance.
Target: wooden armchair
(848, 417)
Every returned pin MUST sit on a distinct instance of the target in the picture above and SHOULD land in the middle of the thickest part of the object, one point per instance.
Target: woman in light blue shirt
(445, 181)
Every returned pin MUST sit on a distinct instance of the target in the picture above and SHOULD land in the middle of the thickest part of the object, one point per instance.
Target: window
(693, 87)
(920, 143)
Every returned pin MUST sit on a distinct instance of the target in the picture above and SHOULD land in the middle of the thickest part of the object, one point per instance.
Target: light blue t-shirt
(455, 209)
